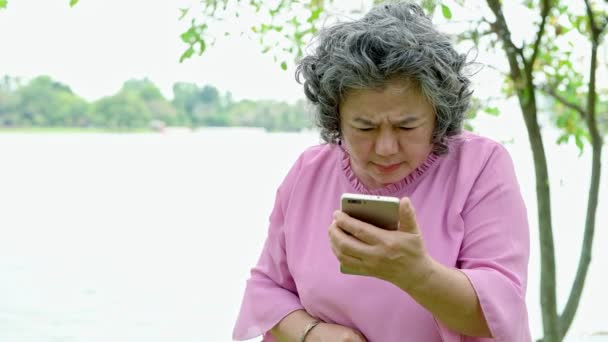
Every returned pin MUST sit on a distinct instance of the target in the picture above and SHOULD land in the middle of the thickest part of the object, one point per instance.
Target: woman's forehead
(389, 98)
(392, 84)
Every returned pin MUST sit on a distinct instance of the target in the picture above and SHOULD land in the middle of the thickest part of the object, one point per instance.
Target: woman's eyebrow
(364, 121)
(407, 120)
(403, 121)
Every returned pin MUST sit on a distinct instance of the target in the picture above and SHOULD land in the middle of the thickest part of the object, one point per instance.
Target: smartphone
(380, 211)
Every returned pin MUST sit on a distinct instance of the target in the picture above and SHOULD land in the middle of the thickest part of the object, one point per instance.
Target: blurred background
(141, 144)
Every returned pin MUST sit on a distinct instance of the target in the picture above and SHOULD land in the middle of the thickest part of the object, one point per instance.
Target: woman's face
(386, 131)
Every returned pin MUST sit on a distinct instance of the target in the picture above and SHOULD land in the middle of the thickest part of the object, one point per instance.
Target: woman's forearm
(290, 328)
(449, 295)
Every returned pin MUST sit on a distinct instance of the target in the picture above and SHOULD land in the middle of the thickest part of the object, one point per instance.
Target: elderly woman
(390, 96)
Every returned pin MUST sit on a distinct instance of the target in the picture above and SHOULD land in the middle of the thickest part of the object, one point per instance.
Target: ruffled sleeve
(270, 293)
(495, 250)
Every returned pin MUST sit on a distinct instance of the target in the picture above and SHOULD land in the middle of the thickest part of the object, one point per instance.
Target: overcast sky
(97, 45)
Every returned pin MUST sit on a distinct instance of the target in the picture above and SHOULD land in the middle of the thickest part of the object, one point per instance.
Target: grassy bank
(63, 130)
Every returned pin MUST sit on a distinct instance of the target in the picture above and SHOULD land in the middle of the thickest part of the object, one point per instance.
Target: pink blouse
(471, 216)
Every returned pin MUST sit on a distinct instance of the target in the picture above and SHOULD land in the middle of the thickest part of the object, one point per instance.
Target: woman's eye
(406, 128)
(365, 129)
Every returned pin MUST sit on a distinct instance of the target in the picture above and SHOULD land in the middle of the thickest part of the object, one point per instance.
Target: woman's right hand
(327, 332)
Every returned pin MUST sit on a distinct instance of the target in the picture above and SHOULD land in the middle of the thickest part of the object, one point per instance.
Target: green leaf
(314, 15)
(492, 111)
(183, 13)
(3, 3)
(284, 65)
(429, 6)
(579, 143)
(202, 46)
(563, 139)
(561, 121)
(187, 54)
(188, 36)
(447, 13)
(73, 3)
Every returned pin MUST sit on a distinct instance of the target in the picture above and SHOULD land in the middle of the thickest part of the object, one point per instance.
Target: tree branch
(524, 87)
(577, 108)
(576, 291)
(544, 13)
(592, 94)
(594, 28)
(527, 66)
(502, 31)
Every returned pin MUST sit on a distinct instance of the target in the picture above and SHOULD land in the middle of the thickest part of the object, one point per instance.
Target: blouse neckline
(389, 189)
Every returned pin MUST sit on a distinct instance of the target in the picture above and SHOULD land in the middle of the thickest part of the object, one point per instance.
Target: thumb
(407, 217)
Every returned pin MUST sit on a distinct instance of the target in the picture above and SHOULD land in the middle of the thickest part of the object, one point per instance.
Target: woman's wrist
(309, 327)
(420, 281)
(291, 327)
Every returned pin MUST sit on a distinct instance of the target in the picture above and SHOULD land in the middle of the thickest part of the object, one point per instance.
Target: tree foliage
(4, 3)
(139, 104)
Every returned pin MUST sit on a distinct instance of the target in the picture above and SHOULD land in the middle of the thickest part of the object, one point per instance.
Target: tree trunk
(543, 198)
(567, 316)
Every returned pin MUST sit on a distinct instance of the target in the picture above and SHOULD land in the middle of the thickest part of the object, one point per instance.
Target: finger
(348, 264)
(363, 338)
(349, 260)
(344, 258)
(342, 243)
(363, 231)
(352, 266)
(351, 270)
(407, 217)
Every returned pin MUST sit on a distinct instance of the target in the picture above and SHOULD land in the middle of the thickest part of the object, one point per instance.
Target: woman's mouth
(387, 168)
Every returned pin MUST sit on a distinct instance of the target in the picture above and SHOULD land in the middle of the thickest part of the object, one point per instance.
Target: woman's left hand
(395, 256)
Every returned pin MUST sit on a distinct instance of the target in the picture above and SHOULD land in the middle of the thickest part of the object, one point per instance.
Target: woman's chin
(376, 178)
(384, 180)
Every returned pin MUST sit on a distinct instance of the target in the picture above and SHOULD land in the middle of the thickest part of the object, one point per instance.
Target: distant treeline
(139, 104)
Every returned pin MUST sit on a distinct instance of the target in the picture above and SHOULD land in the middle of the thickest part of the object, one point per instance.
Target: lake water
(150, 237)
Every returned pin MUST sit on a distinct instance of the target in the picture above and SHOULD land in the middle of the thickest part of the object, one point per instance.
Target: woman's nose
(387, 143)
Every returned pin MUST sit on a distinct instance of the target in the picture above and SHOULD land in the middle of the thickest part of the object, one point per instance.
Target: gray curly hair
(393, 40)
